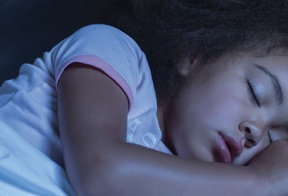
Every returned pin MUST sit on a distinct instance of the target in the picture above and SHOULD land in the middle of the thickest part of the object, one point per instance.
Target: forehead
(275, 60)
(276, 57)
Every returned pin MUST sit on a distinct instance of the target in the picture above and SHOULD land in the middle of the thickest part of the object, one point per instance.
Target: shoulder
(104, 32)
(99, 40)
(99, 29)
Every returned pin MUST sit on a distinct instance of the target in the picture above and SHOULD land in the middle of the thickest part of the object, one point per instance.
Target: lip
(228, 147)
(223, 150)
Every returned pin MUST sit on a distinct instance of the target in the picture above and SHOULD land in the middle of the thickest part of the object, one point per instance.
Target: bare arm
(92, 118)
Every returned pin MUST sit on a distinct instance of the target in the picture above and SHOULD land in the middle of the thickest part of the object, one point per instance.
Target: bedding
(21, 176)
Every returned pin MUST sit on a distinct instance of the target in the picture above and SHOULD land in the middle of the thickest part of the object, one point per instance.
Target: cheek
(220, 110)
(211, 108)
(195, 116)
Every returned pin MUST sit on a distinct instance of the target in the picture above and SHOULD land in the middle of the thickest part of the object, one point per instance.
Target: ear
(186, 66)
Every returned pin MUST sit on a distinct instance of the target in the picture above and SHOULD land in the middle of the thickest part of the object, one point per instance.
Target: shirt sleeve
(105, 48)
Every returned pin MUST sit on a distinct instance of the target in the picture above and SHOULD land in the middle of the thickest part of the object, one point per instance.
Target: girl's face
(231, 111)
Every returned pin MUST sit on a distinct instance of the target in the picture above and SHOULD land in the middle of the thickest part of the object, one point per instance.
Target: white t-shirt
(28, 104)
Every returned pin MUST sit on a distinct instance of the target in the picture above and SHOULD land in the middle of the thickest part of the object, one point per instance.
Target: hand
(271, 166)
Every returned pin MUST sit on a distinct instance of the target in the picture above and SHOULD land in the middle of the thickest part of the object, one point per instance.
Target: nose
(253, 133)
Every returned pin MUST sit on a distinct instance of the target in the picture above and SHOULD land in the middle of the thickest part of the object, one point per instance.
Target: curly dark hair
(171, 30)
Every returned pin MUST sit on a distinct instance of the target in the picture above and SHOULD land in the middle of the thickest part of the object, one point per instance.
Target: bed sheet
(24, 170)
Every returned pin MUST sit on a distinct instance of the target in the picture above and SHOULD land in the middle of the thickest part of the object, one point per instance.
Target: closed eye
(252, 93)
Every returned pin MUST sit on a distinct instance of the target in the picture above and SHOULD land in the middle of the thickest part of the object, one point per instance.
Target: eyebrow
(275, 82)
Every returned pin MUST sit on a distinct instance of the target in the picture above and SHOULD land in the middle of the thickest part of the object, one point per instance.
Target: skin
(220, 100)
(93, 125)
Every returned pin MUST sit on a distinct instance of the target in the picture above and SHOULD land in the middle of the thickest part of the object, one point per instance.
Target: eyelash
(252, 93)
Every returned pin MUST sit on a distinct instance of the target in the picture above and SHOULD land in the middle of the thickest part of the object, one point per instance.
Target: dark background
(28, 28)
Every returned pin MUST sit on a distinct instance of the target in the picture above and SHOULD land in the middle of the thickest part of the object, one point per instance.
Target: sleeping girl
(183, 98)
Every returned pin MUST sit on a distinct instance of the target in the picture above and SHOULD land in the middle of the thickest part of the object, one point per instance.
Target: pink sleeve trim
(103, 66)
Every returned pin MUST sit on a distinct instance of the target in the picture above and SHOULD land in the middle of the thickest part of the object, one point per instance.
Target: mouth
(228, 148)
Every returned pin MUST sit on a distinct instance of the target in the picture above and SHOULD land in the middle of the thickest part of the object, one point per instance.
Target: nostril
(250, 143)
(247, 130)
